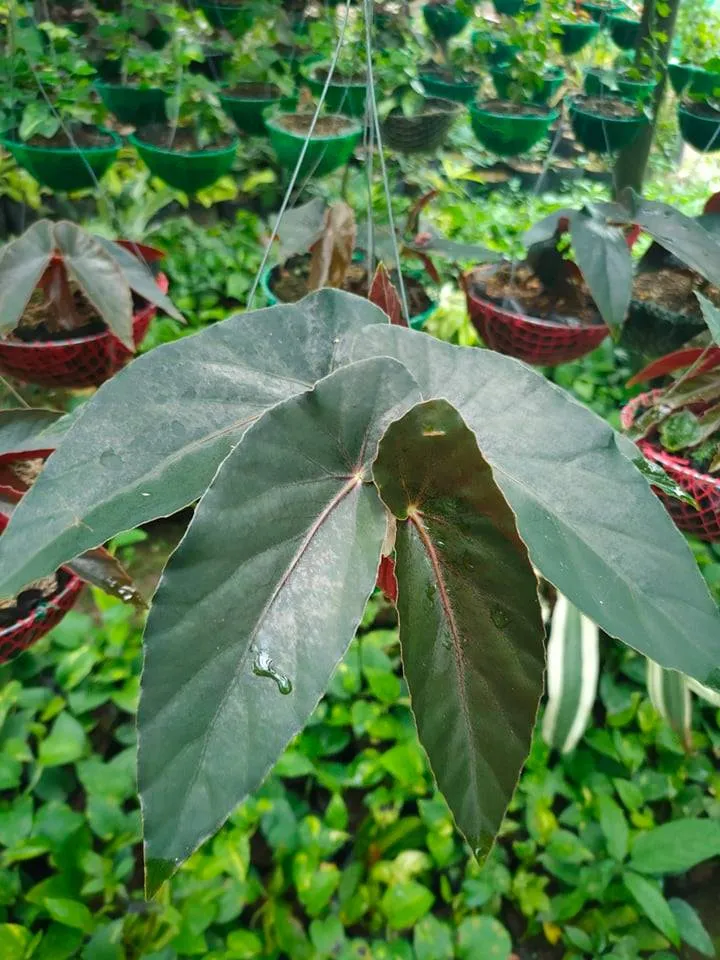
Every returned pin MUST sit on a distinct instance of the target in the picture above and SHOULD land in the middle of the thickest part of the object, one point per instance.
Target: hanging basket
(508, 134)
(700, 126)
(325, 152)
(513, 8)
(576, 35)
(75, 363)
(136, 106)
(536, 341)
(624, 31)
(247, 107)
(232, 17)
(65, 168)
(416, 322)
(187, 170)
(424, 133)
(704, 522)
(27, 631)
(459, 91)
(638, 91)
(601, 11)
(681, 75)
(444, 21)
(542, 92)
(343, 95)
(497, 50)
(600, 133)
(704, 83)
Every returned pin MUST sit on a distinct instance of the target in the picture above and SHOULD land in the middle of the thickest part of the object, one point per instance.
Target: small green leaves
(676, 847)
(470, 625)
(258, 604)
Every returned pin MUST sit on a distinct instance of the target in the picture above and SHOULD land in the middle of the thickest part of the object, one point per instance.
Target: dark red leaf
(384, 295)
(417, 208)
(677, 360)
(713, 204)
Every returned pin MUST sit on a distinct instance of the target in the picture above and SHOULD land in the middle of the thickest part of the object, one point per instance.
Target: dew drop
(500, 617)
(263, 666)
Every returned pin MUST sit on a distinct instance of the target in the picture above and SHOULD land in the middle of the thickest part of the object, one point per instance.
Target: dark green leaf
(22, 430)
(653, 904)
(139, 278)
(691, 927)
(676, 847)
(241, 641)
(65, 743)
(470, 624)
(184, 406)
(404, 904)
(483, 937)
(99, 277)
(602, 254)
(591, 524)
(22, 264)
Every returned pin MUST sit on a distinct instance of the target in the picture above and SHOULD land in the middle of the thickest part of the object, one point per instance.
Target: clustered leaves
(301, 429)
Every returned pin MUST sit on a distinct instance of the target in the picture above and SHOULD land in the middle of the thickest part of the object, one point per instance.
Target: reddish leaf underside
(384, 295)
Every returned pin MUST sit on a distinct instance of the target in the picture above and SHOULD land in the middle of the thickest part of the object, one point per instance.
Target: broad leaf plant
(316, 438)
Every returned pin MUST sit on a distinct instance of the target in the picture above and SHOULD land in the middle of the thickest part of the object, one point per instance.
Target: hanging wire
(301, 158)
(375, 122)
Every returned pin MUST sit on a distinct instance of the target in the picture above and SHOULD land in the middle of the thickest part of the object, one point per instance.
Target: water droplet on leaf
(263, 666)
(500, 617)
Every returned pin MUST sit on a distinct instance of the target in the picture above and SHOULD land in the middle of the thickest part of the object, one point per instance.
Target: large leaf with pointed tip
(150, 440)
(602, 254)
(139, 278)
(22, 264)
(588, 517)
(99, 277)
(471, 630)
(261, 599)
(27, 430)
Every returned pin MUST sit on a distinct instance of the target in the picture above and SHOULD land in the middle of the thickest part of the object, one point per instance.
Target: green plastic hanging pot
(424, 133)
(624, 31)
(601, 11)
(638, 90)
(500, 51)
(700, 126)
(512, 8)
(343, 96)
(232, 17)
(186, 170)
(247, 110)
(444, 21)
(704, 83)
(545, 91)
(65, 168)
(576, 35)
(416, 322)
(136, 106)
(459, 91)
(603, 134)
(681, 75)
(325, 152)
(508, 134)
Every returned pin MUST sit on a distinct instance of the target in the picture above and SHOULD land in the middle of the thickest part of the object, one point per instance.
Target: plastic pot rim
(352, 128)
(117, 142)
(189, 154)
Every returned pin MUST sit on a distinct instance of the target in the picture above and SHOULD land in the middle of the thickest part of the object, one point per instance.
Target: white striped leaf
(705, 693)
(670, 695)
(573, 657)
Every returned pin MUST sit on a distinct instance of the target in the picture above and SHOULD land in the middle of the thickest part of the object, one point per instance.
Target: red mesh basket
(24, 633)
(704, 522)
(80, 362)
(535, 341)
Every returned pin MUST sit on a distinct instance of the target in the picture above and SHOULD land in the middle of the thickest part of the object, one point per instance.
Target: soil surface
(341, 79)
(521, 291)
(289, 283)
(514, 109)
(325, 126)
(33, 329)
(613, 107)
(702, 110)
(82, 137)
(30, 598)
(674, 289)
(184, 139)
(252, 91)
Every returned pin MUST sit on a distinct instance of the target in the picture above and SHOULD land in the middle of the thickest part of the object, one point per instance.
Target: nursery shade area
(359, 480)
